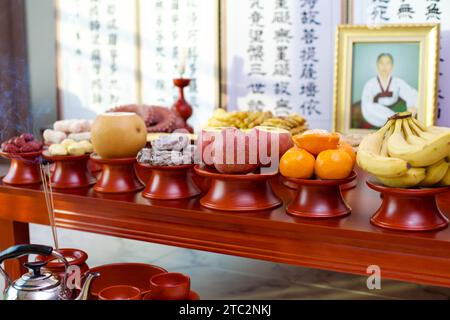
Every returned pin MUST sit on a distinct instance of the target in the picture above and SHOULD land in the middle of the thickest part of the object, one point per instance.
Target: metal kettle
(38, 284)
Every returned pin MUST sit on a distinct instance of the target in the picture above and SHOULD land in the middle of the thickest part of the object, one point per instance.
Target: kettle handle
(19, 251)
(23, 250)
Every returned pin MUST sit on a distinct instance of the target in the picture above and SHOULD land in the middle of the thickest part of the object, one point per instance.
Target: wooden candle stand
(170, 182)
(70, 171)
(181, 106)
(409, 209)
(238, 192)
(319, 198)
(117, 176)
(23, 169)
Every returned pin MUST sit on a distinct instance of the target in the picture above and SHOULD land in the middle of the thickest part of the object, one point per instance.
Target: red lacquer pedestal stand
(117, 176)
(294, 186)
(70, 171)
(23, 169)
(319, 198)
(238, 192)
(94, 167)
(409, 209)
(170, 182)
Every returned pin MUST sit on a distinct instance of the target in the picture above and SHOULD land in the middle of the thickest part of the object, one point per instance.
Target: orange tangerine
(297, 163)
(316, 141)
(349, 149)
(333, 164)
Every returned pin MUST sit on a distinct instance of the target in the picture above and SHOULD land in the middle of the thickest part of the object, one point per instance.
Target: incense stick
(44, 187)
(48, 192)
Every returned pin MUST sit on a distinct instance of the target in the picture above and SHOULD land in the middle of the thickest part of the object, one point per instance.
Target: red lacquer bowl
(192, 296)
(70, 171)
(170, 286)
(412, 209)
(170, 182)
(120, 292)
(117, 176)
(318, 198)
(238, 192)
(130, 274)
(23, 169)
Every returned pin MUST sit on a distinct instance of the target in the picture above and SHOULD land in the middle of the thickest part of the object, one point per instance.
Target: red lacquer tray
(409, 209)
(23, 169)
(317, 198)
(117, 175)
(70, 171)
(170, 182)
(238, 192)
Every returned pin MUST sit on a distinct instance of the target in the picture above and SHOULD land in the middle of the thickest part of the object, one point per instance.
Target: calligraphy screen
(97, 63)
(280, 57)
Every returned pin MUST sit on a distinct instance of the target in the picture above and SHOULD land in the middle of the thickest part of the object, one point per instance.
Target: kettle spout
(84, 293)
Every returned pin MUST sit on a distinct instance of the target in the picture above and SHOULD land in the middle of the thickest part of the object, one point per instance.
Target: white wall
(40, 21)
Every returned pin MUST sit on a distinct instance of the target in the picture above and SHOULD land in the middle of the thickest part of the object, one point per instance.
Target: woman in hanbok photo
(385, 94)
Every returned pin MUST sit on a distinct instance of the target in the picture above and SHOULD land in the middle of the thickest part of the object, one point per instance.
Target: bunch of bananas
(405, 153)
(247, 120)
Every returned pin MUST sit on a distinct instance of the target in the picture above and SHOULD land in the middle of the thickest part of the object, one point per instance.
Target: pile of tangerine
(319, 153)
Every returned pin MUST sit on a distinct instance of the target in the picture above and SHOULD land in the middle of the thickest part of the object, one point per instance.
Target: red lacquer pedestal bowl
(94, 167)
(117, 176)
(317, 198)
(170, 182)
(344, 187)
(70, 171)
(238, 192)
(409, 209)
(23, 169)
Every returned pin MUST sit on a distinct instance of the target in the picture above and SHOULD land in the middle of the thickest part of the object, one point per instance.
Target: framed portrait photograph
(384, 69)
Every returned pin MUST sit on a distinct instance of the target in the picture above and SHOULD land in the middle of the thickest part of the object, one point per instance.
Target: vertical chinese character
(282, 23)
(95, 53)
(406, 11)
(256, 55)
(379, 10)
(309, 87)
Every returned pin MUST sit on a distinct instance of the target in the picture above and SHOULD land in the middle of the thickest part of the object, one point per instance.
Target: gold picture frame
(426, 36)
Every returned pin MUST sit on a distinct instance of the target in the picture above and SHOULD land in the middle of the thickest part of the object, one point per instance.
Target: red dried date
(10, 148)
(19, 142)
(31, 146)
(27, 136)
(23, 143)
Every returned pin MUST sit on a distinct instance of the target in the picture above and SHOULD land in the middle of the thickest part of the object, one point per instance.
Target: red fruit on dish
(19, 142)
(11, 148)
(205, 143)
(236, 168)
(31, 146)
(236, 151)
(272, 138)
(27, 136)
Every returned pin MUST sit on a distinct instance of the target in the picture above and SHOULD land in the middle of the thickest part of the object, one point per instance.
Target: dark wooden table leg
(12, 233)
